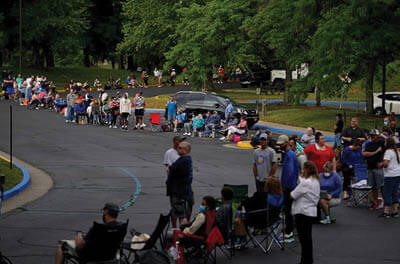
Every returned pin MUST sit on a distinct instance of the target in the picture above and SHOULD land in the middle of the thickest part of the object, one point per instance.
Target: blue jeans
(338, 140)
(70, 113)
(391, 190)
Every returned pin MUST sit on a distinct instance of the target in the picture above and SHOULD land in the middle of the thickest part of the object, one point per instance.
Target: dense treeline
(335, 38)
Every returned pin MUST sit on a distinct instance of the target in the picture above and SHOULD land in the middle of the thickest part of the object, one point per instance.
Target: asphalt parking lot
(93, 165)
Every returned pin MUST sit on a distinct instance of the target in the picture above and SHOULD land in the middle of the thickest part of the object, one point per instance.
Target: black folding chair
(159, 234)
(102, 245)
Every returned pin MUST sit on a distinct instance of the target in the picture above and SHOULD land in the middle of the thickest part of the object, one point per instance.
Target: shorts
(10, 90)
(334, 202)
(69, 247)
(139, 112)
(124, 115)
(375, 178)
(180, 208)
(171, 117)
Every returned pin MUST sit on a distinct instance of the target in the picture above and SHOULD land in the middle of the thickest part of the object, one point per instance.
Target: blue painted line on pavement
(151, 111)
(26, 180)
(137, 192)
(309, 102)
(285, 131)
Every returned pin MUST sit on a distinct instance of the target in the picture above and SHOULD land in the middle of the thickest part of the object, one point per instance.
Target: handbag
(240, 229)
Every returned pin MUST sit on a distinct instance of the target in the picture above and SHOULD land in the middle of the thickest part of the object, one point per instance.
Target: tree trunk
(130, 63)
(383, 88)
(369, 87)
(208, 84)
(121, 64)
(49, 56)
(86, 59)
(113, 62)
(317, 96)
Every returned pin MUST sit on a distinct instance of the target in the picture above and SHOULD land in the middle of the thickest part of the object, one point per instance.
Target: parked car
(274, 79)
(201, 102)
(392, 103)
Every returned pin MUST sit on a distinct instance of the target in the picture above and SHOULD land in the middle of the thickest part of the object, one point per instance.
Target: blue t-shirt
(171, 107)
(228, 111)
(181, 118)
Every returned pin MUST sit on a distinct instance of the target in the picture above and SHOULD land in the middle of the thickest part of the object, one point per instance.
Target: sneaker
(66, 121)
(189, 134)
(326, 220)
(222, 138)
(110, 126)
(384, 215)
(175, 130)
(395, 215)
(115, 127)
(286, 238)
(143, 125)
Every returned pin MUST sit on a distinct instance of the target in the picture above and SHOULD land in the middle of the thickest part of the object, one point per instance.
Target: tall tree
(210, 34)
(352, 39)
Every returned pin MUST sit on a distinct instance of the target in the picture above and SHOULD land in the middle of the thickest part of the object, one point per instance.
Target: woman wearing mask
(304, 208)
(331, 187)
(351, 157)
(391, 174)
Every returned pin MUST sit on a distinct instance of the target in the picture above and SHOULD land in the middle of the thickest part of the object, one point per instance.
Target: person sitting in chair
(82, 247)
(224, 213)
(204, 220)
(331, 188)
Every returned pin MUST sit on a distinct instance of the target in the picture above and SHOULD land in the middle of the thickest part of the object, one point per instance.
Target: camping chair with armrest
(102, 245)
(159, 234)
(262, 220)
(360, 188)
(155, 122)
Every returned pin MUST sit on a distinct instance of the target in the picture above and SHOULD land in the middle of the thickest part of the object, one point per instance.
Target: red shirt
(319, 156)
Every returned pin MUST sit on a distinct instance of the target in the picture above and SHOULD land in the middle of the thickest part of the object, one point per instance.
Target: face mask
(202, 209)
(385, 123)
(327, 174)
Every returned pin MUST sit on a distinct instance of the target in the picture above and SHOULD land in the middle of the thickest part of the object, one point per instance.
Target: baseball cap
(263, 136)
(111, 207)
(282, 139)
(179, 138)
(227, 100)
(373, 132)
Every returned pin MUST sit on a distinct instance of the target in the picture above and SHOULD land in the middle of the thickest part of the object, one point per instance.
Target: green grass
(13, 177)
(157, 102)
(321, 118)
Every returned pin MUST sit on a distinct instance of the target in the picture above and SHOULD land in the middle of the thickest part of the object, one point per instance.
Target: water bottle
(173, 252)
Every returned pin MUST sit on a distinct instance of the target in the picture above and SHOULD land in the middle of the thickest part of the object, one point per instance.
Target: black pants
(304, 229)
(347, 175)
(287, 208)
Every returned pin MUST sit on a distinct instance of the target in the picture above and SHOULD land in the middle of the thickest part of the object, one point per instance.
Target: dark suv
(201, 102)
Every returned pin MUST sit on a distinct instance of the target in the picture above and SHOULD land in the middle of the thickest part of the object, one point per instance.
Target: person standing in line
(304, 208)
(351, 157)
(125, 110)
(320, 153)
(228, 111)
(171, 110)
(139, 104)
(391, 176)
(373, 154)
(338, 127)
(352, 132)
(71, 98)
(179, 185)
(171, 155)
(290, 175)
(265, 163)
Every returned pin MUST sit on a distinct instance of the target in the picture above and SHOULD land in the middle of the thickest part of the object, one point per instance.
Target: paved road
(93, 165)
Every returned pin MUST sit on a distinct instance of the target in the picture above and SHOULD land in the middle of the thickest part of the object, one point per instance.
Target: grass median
(13, 177)
(321, 118)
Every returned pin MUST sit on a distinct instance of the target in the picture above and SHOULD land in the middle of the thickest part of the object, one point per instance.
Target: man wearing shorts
(179, 185)
(125, 110)
(373, 154)
(139, 104)
(171, 109)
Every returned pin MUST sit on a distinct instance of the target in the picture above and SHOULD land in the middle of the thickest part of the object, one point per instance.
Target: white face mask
(327, 174)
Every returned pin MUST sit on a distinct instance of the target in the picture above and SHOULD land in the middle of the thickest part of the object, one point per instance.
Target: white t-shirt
(170, 156)
(393, 170)
(306, 197)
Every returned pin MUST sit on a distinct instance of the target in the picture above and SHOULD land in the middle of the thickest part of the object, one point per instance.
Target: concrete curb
(308, 102)
(21, 186)
(40, 184)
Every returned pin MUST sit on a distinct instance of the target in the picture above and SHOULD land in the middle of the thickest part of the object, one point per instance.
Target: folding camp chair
(267, 220)
(101, 246)
(159, 234)
(155, 122)
(360, 188)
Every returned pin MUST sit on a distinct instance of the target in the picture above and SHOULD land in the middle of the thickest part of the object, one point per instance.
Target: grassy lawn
(13, 177)
(318, 117)
(157, 102)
